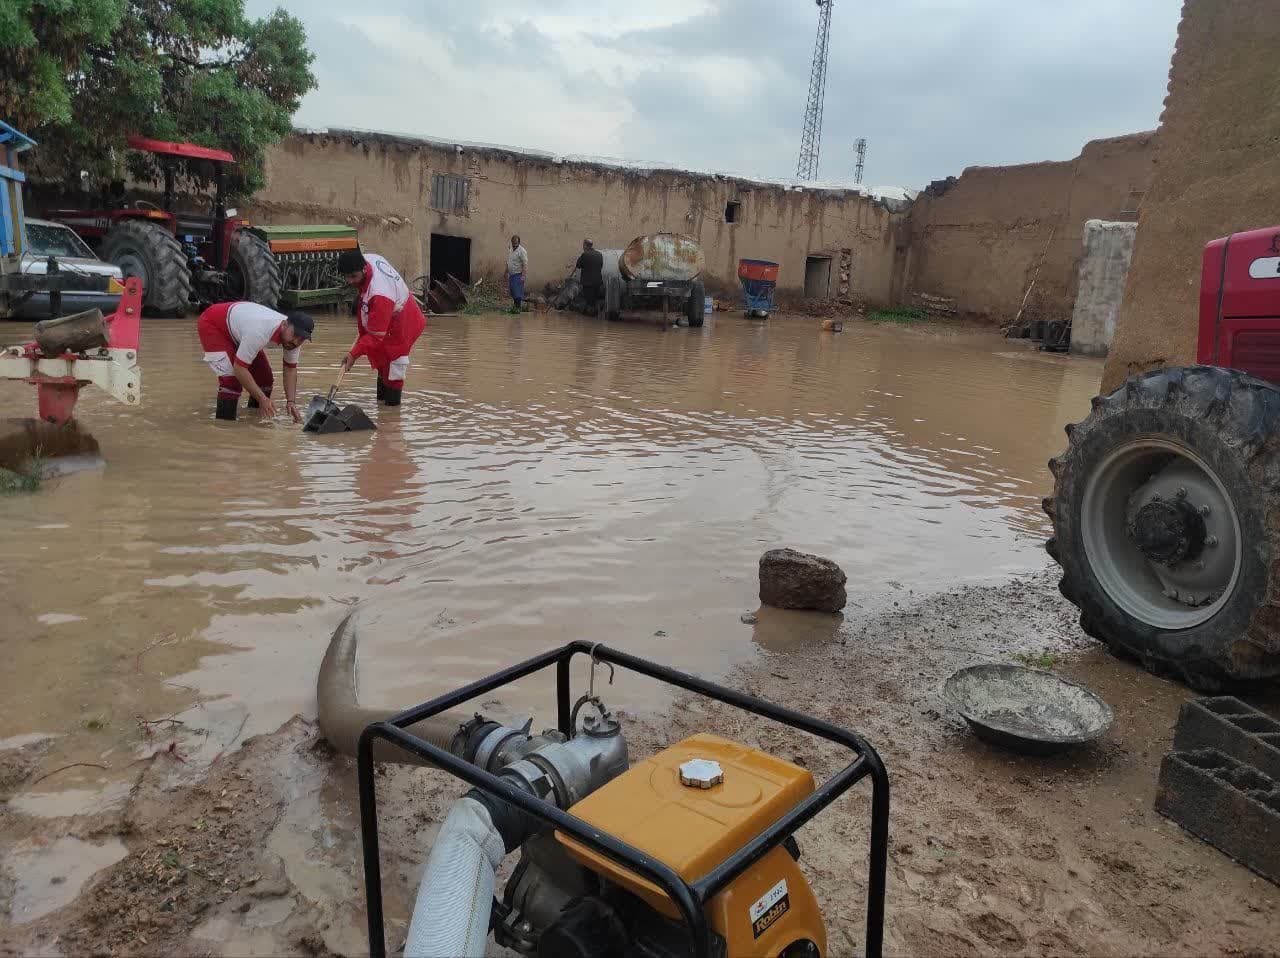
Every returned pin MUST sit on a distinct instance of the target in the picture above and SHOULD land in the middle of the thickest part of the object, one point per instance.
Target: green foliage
(81, 75)
(1041, 660)
(485, 297)
(26, 478)
(909, 314)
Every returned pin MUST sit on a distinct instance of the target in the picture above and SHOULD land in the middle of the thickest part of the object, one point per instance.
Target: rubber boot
(382, 390)
(392, 397)
(226, 408)
(253, 403)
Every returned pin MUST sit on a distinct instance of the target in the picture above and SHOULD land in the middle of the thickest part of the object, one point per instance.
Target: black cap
(302, 323)
(350, 260)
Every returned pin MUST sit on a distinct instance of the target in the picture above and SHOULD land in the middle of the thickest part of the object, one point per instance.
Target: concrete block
(1232, 727)
(1104, 267)
(1229, 804)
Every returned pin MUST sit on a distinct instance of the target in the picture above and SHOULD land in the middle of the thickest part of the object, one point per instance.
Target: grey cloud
(935, 85)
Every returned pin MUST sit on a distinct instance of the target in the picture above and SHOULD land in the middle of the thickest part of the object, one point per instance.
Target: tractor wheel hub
(1168, 532)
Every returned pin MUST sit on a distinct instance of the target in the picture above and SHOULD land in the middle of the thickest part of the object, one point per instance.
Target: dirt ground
(991, 853)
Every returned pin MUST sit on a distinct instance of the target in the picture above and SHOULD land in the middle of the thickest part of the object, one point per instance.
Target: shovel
(326, 416)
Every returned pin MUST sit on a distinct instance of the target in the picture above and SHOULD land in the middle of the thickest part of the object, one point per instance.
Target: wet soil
(547, 479)
(990, 852)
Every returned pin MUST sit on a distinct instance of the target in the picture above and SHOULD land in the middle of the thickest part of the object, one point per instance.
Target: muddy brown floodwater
(547, 478)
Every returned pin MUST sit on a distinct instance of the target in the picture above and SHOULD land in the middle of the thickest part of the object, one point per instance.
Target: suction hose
(341, 716)
(455, 898)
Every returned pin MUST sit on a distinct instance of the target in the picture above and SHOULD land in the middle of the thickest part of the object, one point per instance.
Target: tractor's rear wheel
(151, 253)
(1167, 524)
(252, 271)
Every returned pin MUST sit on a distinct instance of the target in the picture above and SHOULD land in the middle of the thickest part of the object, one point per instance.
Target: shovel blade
(318, 410)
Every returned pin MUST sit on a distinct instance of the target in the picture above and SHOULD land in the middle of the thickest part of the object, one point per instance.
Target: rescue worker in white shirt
(388, 320)
(234, 337)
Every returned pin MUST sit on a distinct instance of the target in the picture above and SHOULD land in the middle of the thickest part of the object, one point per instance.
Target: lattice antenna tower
(811, 136)
(860, 151)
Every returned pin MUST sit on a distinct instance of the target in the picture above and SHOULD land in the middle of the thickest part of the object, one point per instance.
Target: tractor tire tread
(169, 290)
(258, 266)
(1233, 420)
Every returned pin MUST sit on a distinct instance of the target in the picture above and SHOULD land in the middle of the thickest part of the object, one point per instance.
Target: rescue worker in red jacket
(388, 320)
(234, 337)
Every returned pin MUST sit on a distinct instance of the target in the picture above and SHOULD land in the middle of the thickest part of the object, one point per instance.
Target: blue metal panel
(13, 139)
(13, 239)
(7, 245)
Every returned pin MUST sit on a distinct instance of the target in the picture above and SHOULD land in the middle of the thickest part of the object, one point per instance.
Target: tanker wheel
(252, 271)
(613, 298)
(151, 253)
(1160, 516)
(697, 307)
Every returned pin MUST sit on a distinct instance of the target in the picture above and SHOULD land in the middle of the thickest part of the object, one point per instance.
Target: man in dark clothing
(591, 275)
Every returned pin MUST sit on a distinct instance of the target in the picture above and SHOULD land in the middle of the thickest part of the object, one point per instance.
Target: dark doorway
(817, 277)
(450, 256)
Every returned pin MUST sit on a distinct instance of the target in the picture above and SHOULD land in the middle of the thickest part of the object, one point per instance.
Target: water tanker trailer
(659, 271)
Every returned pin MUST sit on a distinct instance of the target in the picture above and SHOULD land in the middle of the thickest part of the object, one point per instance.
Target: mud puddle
(547, 478)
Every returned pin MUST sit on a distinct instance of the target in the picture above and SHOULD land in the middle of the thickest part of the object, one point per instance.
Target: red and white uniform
(389, 320)
(237, 334)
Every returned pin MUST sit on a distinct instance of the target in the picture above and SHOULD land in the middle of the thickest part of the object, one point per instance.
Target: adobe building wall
(384, 185)
(978, 239)
(1217, 171)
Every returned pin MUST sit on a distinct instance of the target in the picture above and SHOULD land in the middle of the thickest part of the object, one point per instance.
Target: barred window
(450, 193)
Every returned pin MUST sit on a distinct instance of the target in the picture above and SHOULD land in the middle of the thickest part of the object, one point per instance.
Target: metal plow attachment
(66, 355)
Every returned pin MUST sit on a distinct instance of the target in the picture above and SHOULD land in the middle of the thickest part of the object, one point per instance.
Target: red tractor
(182, 258)
(1166, 502)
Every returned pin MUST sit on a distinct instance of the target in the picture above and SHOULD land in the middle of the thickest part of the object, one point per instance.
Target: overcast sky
(934, 85)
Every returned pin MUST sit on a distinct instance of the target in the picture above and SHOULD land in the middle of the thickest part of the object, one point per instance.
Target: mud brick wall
(383, 185)
(1217, 170)
(977, 239)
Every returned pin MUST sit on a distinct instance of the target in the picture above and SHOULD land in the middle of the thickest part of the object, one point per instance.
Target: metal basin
(1026, 709)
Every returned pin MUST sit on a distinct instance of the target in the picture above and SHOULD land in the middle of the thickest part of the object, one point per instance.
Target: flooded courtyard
(547, 478)
(551, 478)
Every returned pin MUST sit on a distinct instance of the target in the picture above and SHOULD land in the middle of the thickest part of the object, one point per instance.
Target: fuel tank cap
(701, 773)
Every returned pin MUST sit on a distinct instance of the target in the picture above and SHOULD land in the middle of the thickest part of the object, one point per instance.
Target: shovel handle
(333, 390)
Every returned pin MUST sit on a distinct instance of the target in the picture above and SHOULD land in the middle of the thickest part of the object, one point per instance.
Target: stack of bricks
(1221, 781)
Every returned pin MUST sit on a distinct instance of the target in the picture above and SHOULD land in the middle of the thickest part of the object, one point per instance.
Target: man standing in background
(517, 270)
(591, 275)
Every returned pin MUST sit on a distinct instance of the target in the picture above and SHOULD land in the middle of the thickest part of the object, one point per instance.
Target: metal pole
(369, 841)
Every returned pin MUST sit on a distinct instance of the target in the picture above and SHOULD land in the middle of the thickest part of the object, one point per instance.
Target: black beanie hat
(350, 260)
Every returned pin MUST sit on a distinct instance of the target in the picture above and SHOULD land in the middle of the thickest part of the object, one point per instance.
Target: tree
(81, 75)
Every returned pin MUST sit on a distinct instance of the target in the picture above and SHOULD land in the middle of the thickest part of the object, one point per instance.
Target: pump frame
(688, 897)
